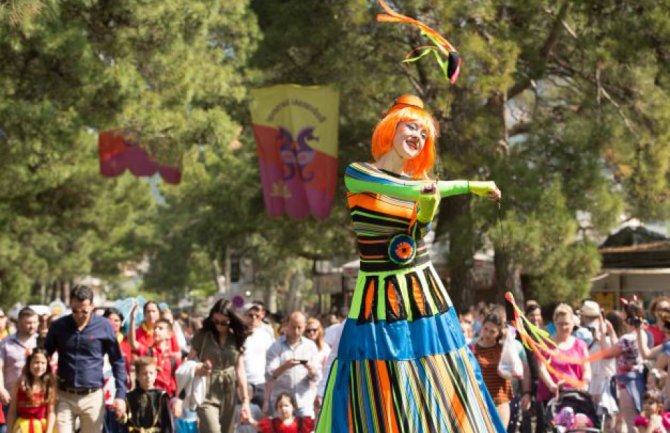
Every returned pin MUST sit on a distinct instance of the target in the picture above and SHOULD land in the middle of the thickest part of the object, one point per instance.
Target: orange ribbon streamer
(442, 47)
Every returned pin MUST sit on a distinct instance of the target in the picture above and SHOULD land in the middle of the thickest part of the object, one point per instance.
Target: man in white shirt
(267, 327)
(292, 366)
(255, 349)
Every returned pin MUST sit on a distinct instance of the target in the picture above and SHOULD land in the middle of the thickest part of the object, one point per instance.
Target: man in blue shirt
(82, 339)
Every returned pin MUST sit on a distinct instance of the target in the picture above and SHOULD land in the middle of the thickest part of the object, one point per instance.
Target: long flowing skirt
(403, 365)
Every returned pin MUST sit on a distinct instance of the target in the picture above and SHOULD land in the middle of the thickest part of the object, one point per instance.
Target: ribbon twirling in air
(542, 345)
(445, 53)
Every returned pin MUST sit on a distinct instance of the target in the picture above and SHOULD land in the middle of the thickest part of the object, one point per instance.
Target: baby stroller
(575, 402)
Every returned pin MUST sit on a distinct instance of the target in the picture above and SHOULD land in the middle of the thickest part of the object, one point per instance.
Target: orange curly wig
(407, 108)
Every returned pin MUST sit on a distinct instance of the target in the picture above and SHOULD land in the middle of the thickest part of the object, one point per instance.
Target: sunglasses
(221, 322)
(253, 316)
(312, 330)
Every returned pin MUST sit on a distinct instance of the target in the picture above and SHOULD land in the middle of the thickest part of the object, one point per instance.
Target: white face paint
(410, 138)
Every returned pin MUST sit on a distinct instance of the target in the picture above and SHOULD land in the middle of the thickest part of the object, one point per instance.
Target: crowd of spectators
(238, 370)
(616, 360)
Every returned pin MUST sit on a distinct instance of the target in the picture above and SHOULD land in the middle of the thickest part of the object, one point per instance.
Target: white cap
(590, 309)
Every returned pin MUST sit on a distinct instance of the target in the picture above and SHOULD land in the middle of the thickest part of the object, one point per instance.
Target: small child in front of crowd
(652, 419)
(34, 396)
(147, 407)
(167, 361)
(285, 421)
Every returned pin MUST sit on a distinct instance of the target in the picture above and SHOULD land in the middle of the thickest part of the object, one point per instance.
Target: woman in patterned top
(402, 363)
(629, 364)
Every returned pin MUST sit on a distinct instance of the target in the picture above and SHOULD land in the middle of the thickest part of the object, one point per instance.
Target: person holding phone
(629, 364)
(292, 366)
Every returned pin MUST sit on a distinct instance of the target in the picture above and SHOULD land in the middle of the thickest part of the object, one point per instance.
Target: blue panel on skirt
(401, 340)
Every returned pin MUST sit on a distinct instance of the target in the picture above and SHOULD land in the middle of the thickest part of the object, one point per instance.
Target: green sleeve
(453, 187)
(364, 178)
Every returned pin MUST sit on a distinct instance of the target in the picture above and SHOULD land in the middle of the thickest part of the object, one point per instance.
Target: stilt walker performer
(402, 364)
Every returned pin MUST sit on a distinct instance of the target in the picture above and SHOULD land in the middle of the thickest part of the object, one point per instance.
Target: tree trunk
(271, 298)
(216, 274)
(456, 221)
(296, 284)
(227, 263)
(62, 292)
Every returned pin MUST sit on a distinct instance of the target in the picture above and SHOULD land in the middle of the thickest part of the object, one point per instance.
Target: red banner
(118, 155)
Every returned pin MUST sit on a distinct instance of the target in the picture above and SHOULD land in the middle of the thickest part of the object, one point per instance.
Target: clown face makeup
(409, 139)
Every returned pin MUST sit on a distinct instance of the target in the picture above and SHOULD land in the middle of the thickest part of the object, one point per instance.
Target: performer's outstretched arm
(363, 178)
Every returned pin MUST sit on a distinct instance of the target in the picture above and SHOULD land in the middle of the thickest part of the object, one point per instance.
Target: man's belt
(78, 391)
(144, 429)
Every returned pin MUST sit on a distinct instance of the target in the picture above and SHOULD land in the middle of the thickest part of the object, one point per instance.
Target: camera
(303, 361)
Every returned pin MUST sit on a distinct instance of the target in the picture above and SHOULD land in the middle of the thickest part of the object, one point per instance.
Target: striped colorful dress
(402, 364)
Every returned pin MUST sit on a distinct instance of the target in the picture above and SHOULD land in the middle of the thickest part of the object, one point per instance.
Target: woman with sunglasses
(219, 346)
(314, 331)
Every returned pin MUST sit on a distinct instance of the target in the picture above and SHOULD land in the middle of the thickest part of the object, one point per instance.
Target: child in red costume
(161, 350)
(284, 422)
(33, 398)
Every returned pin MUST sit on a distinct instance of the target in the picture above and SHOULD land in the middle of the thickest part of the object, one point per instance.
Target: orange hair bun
(405, 100)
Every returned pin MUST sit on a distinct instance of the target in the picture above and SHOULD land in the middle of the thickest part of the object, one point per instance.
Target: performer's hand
(428, 203)
(486, 189)
(495, 195)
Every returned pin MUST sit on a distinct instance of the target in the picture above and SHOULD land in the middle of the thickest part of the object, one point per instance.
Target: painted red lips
(414, 145)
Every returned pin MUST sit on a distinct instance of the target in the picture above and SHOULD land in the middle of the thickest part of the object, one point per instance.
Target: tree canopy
(565, 105)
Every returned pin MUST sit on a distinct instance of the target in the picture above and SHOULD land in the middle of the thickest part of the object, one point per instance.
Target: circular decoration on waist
(402, 249)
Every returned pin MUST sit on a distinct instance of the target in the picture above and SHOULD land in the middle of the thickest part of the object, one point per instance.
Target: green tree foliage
(162, 71)
(564, 104)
